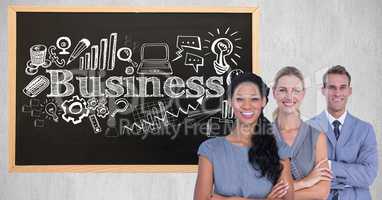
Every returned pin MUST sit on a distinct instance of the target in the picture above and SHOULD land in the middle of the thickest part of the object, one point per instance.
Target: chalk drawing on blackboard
(100, 57)
(232, 74)
(41, 111)
(54, 58)
(92, 103)
(95, 124)
(87, 61)
(75, 109)
(80, 47)
(103, 53)
(39, 123)
(234, 33)
(112, 51)
(218, 127)
(37, 59)
(51, 110)
(38, 56)
(225, 47)
(150, 118)
(154, 116)
(31, 70)
(99, 105)
(194, 60)
(221, 126)
(36, 86)
(102, 111)
(121, 105)
(221, 47)
(129, 70)
(102, 101)
(200, 116)
(63, 43)
(35, 109)
(184, 42)
(124, 54)
(226, 110)
(81, 63)
(191, 107)
(227, 30)
(94, 57)
(154, 59)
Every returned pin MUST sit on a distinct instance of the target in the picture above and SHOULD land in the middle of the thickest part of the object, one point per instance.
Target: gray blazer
(354, 156)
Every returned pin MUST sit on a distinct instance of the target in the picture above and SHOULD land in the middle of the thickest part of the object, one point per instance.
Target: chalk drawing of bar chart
(102, 56)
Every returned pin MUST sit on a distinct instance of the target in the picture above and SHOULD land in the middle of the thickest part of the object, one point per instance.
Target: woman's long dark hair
(263, 153)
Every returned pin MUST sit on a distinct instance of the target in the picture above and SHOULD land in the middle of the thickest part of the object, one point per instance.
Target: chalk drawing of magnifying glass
(121, 105)
(124, 54)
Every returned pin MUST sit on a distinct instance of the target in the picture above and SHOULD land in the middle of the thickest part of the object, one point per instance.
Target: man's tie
(336, 125)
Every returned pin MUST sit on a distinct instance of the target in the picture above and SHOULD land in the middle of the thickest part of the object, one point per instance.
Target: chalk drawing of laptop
(154, 59)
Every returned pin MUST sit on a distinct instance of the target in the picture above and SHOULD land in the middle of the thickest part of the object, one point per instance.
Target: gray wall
(309, 34)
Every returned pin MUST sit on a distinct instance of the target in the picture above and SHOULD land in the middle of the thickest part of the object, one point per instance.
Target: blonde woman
(307, 146)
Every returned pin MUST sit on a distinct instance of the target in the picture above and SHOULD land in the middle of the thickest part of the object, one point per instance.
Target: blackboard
(122, 89)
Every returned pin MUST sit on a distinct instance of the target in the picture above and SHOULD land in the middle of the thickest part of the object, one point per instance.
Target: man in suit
(352, 145)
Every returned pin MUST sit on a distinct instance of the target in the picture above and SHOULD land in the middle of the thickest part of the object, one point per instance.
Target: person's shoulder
(210, 147)
(213, 142)
(316, 121)
(356, 121)
(312, 129)
(313, 132)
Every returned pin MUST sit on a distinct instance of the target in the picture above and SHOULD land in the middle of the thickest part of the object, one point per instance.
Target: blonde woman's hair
(286, 71)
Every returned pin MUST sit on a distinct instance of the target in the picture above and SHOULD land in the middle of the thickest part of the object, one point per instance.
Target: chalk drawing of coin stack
(38, 59)
(101, 56)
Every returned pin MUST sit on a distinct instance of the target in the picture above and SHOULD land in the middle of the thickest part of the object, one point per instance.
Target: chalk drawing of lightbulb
(221, 47)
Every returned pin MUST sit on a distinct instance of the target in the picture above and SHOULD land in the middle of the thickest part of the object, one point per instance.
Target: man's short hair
(338, 69)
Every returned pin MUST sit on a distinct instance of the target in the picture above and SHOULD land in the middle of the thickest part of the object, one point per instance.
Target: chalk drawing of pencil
(80, 47)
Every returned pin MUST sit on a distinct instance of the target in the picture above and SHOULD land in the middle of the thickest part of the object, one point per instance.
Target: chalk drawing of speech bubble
(194, 61)
(190, 42)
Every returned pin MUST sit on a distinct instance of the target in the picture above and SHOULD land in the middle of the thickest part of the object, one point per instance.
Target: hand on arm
(364, 170)
(282, 190)
(319, 173)
(320, 190)
(278, 191)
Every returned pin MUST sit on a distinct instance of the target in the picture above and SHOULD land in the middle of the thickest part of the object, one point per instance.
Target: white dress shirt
(341, 119)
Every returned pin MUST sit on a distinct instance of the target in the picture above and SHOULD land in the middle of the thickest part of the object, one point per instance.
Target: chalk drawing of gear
(92, 103)
(74, 110)
(102, 111)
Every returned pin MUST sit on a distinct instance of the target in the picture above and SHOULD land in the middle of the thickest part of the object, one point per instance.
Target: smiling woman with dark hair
(246, 164)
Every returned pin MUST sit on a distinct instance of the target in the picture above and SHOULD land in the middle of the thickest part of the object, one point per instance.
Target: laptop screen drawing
(154, 59)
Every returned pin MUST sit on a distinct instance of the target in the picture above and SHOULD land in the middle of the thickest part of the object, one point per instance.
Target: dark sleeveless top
(302, 152)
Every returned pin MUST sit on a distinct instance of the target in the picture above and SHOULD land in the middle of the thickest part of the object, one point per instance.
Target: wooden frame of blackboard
(12, 12)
